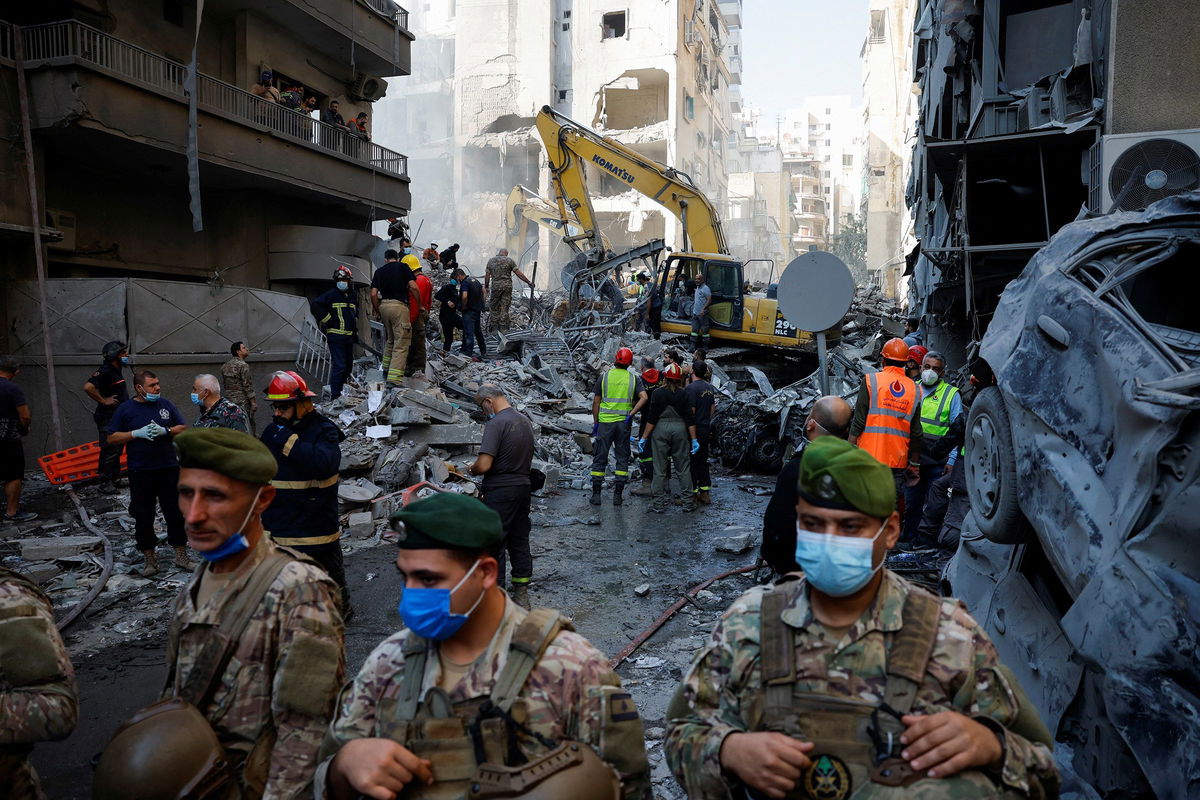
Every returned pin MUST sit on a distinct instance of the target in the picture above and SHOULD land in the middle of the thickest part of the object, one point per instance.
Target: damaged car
(1080, 554)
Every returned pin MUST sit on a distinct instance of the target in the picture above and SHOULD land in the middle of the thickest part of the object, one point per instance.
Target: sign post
(814, 294)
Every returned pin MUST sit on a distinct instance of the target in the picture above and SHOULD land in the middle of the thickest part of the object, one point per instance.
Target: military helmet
(570, 770)
(166, 750)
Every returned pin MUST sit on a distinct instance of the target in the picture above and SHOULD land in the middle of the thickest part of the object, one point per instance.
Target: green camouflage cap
(836, 474)
(232, 453)
(447, 521)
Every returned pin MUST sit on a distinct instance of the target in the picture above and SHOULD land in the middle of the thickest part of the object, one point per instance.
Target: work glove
(641, 445)
(157, 430)
(633, 439)
(595, 429)
(145, 432)
(695, 446)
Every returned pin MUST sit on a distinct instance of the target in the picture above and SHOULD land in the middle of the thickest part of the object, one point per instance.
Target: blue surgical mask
(125, 359)
(195, 398)
(454, 282)
(342, 286)
(237, 543)
(152, 398)
(836, 565)
(427, 611)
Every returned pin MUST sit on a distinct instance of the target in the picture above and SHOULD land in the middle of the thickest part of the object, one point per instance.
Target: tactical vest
(616, 397)
(472, 743)
(858, 748)
(935, 412)
(889, 419)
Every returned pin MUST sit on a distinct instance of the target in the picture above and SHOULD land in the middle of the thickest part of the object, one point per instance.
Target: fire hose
(688, 597)
(82, 605)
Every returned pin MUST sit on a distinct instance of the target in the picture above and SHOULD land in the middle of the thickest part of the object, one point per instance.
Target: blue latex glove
(156, 430)
(595, 429)
(633, 439)
(641, 445)
(145, 432)
(695, 446)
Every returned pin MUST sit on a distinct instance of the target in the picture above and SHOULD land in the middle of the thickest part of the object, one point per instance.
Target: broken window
(1154, 291)
(612, 25)
(689, 107)
(878, 27)
(1036, 39)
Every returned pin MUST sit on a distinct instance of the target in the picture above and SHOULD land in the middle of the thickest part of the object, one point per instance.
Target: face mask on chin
(427, 611)
(237, 543)
(836, 565)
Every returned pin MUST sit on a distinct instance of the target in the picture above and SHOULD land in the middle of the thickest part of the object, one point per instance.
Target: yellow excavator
(737, 315)
(525, 206)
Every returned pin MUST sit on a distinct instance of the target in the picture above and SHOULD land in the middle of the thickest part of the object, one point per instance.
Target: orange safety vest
(889, 418)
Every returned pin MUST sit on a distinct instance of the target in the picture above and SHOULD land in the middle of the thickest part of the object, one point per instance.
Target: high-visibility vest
(889, 418)
(935, 411)
(616, 396)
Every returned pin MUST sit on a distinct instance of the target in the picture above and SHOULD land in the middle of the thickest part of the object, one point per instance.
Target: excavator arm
(525, 206)
(571, 146)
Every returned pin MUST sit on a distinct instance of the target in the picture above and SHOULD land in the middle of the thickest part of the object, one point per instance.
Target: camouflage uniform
(500, 285)
(38, 702)
(724, 695)
(238, 388)
(281, 684)
(570, 694)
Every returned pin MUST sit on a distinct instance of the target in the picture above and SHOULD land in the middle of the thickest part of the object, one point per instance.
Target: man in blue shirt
(941, 404)
(700, 303)
(146, 423)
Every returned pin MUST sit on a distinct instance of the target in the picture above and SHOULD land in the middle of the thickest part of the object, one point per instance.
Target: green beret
(232, 453)
(836, 474)
(447, 521)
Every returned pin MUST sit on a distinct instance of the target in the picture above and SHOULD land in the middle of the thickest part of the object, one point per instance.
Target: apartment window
(566, 26)
(826, 159)
(612, 25)
(828, 126)
(828, 111)
(562, 95)
(847, 161)
(826, 174)
(567, 14)
(689, 106)
(826, 190)
(828, 142)
(879, 26)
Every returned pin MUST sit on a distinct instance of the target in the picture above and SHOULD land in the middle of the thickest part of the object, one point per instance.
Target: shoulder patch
(621, 707)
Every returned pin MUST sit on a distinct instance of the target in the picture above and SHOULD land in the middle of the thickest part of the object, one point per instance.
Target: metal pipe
(688, 597)
(35, 214)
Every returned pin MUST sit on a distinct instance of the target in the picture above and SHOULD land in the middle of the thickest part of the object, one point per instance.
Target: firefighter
(617, 396)
(307, 447)
(336, 311)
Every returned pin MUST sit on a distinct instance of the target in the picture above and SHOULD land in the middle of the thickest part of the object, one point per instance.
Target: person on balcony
(265, 88)
(359, 126)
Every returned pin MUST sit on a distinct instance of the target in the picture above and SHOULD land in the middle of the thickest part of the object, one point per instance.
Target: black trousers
(701, 473)
(341, 358)
(946, 506)
(110, 454)
(914, 500)
(655, 321)
(449, 323)
(148, 488)
(512, 504)
(329, 556)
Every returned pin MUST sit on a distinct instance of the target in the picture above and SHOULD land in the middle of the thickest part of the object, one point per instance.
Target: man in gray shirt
(700, 303)
(504, 461)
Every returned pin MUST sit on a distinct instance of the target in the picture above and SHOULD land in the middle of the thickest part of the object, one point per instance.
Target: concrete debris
(359, 490)
(55, 548)
(737, 544)
(642, 590)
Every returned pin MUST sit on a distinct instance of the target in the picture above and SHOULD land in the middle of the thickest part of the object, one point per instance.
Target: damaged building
(655, 77)
(1033, 112)
(128, 253)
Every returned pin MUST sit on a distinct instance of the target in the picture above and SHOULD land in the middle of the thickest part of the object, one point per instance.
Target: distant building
(654, 76)
(888, 118)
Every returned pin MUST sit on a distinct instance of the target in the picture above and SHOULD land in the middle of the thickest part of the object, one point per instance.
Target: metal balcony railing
(57, 42)
(387, 8)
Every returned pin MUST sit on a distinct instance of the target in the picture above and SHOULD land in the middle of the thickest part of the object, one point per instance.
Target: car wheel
(992, 471)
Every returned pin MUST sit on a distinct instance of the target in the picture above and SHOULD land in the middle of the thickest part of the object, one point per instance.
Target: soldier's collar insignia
(827, 779)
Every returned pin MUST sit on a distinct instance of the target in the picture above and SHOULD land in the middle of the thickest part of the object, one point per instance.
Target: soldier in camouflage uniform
(38, 702)
(851, 681)
(276, 697)
(472, 657)
(497, 285)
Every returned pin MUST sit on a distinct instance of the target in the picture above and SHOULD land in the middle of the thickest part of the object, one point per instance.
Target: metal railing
(57, 41)
(392, 11)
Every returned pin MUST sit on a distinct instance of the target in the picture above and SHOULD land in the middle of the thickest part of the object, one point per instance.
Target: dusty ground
(589, 571)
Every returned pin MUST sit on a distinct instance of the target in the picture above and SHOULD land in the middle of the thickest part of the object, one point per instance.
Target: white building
(654, 76)
(829, 128)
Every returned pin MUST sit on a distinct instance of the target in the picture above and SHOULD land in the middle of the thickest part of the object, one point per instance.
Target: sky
(792, 49)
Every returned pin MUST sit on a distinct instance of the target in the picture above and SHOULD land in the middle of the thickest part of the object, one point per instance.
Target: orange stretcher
(79, 463)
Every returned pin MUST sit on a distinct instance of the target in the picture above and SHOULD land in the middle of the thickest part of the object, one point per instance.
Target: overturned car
(1081, 554)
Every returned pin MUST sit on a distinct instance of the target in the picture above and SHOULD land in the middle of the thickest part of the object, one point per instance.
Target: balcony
(124, 90)
(731, 10)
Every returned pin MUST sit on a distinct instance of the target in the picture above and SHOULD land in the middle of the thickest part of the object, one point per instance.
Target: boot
(704, 496)
(520, 595)
(150, 568)
(659, 505)
(618, 494)
(689, 505)
(182, 559)
(595, 498)
(643, 490)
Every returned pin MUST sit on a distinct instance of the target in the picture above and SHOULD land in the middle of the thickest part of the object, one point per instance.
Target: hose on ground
(82, 605)
(688, 597)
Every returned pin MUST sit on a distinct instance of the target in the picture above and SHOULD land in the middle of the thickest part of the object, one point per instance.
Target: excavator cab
(724, 278)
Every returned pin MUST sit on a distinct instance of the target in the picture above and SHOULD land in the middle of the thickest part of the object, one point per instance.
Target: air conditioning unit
(368, 87)
(1137, 169)
(64, 222)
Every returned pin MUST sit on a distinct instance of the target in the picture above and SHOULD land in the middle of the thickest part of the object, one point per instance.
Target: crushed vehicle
(1079, 555)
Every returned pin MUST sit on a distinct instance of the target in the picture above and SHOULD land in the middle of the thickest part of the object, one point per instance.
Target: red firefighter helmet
(343, 273)
(650, 376)
(672, 372)
(624, 357)
(287, 386)
(895, 350)
(917, 353)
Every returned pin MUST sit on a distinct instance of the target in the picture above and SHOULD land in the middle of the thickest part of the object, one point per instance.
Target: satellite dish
(815, 291)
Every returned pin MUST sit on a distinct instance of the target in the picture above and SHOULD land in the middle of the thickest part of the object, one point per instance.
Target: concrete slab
(443, 435)
(57, 547)
(438, 410)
